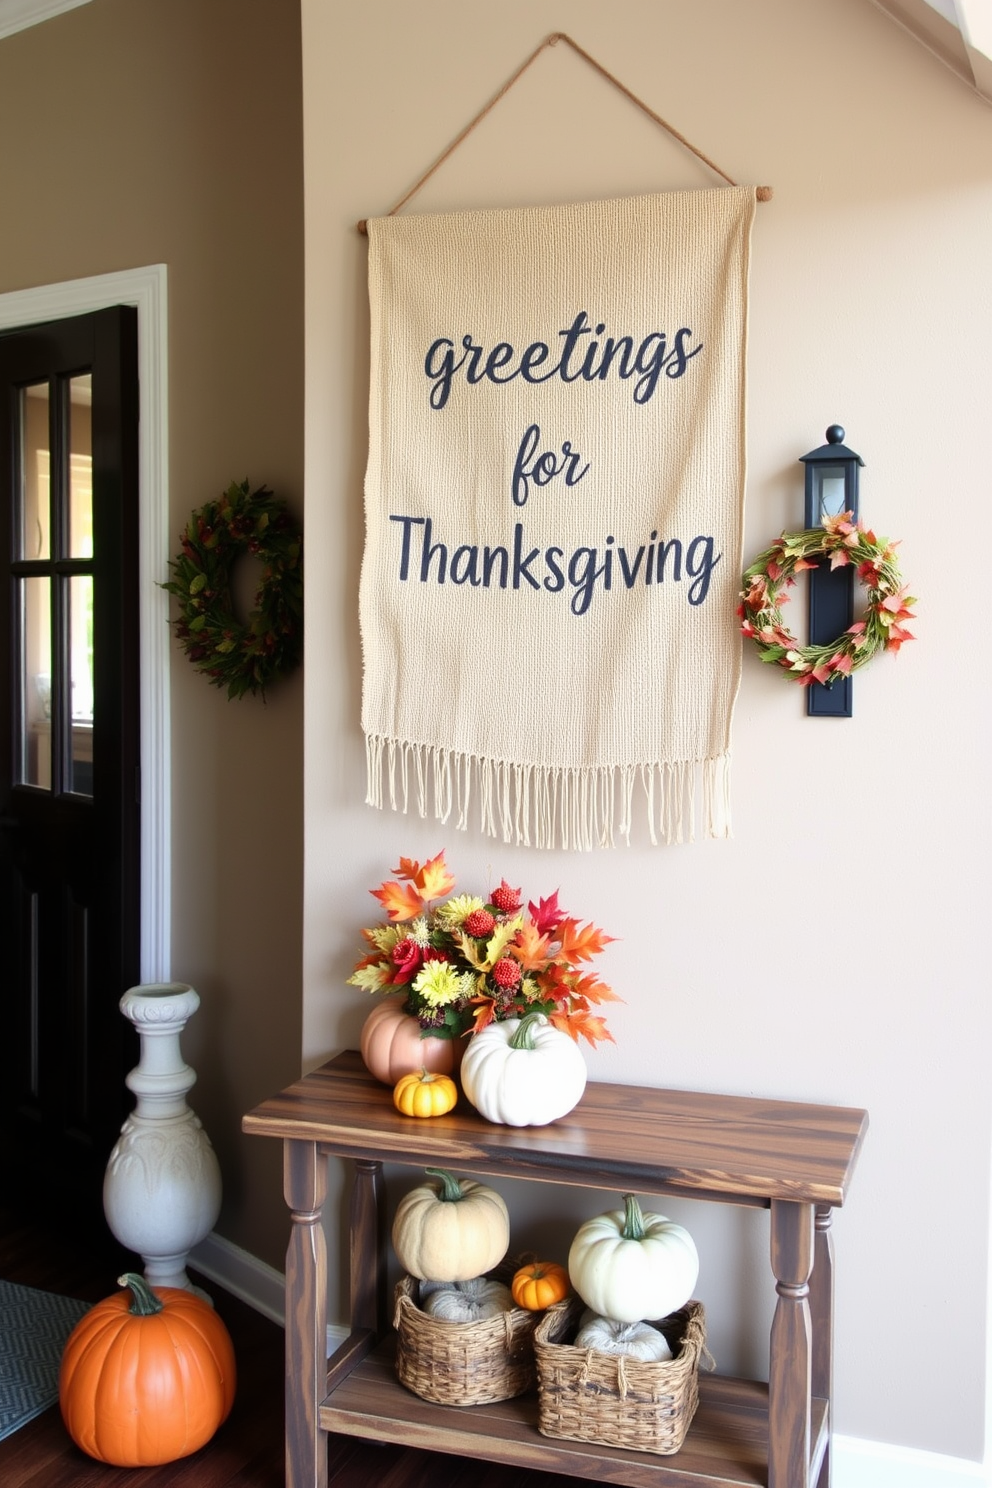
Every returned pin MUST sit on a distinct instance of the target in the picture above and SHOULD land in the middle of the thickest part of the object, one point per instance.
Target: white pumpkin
(451, 1229)
(630, 1266)
(466, 1301)
(636, 1340)
(523, 1072)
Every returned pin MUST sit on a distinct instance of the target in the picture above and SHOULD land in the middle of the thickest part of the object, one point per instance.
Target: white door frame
(145, 289)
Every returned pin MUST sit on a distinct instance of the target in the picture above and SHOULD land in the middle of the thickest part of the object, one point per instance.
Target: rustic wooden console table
(795, 1159)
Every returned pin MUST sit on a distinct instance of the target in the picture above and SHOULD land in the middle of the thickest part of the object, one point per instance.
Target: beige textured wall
(169, 131)
(834, 950)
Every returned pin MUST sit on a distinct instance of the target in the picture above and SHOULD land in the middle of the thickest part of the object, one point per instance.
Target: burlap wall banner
(554, 502)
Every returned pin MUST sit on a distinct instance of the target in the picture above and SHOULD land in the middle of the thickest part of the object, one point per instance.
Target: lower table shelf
(726, 1444)
(796, 1159)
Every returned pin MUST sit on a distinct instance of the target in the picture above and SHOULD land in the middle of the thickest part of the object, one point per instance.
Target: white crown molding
(974, 19)
(18, 15)
(956, 32)
(145, 288)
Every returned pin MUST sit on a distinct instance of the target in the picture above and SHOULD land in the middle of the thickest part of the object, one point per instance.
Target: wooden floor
(247, 1452)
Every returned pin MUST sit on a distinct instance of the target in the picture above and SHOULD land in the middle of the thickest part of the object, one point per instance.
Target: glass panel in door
(80, 467)
(36, 682)
(35, 504)
(81, 683)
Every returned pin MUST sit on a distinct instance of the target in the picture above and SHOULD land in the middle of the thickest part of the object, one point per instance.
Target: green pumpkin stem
(451, 1189)
(523, 1037)
(144, 1302)
(633, 1225)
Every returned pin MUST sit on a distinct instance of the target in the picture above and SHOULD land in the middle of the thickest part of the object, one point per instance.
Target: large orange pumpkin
(391, 1044)
(146, 1379)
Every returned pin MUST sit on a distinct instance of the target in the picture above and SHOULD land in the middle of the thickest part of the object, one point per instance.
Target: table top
(623, 1137)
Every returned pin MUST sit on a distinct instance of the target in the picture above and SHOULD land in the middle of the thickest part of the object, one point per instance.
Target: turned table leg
(305, 1188)
(821, 1306)
(790, 1365)
(368, 1249)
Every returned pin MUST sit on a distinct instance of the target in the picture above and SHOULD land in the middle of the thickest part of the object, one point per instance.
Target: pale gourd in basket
(466, 1301)
(450, 1230)
(635, 1340)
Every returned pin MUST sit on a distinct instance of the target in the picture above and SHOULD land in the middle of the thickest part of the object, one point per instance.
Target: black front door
(69, 735)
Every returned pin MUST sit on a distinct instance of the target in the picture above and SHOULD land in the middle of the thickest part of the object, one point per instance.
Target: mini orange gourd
(146, 1379)
(423, 1093)
(539, 1285)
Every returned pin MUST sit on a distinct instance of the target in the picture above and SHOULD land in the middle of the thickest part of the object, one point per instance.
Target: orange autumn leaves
(466, 962)
(420, 885)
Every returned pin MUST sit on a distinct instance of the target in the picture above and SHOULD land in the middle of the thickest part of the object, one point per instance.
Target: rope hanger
(763, 193)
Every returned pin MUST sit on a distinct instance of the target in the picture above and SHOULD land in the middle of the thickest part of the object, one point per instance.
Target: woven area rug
(34, 1326)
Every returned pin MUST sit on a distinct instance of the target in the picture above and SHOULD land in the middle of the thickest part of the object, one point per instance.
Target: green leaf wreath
(845, 542)
(243, 656)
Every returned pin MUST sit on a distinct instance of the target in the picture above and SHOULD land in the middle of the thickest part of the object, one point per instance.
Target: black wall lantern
(831, 490)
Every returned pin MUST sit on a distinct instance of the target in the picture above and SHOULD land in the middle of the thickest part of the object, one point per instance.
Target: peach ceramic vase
(391, 1044)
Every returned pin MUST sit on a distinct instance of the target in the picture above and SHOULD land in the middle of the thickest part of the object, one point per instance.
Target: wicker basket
(462, 1363)
(613, 1399)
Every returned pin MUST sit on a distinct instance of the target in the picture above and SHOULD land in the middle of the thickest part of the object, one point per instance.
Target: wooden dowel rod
(761, 193)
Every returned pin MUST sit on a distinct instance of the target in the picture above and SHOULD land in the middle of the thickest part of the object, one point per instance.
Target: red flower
(506, 973)
(407, 957)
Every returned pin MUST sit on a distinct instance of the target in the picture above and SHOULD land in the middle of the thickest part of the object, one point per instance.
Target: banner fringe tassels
(549, 806)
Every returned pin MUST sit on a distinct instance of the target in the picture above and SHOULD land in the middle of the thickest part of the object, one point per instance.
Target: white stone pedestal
(162, 1189)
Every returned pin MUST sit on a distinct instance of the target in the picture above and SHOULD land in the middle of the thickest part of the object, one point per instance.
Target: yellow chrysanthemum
(439, 983)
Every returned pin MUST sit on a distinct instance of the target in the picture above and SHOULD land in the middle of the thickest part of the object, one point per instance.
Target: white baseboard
(251, 1280)
(243, 1275)
(856, 1463)
(870, 1464)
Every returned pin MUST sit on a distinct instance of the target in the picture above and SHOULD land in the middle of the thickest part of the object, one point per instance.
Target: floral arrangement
(243, 657)
(466, 962)
(773, 571)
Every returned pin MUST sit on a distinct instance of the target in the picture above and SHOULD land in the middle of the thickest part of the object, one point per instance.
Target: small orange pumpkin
(423, 1093)
(147, 1379)
(540, 1285)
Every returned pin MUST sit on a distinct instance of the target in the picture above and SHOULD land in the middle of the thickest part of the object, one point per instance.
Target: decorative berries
(506, 973)
(480, 922)
(505, 899)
